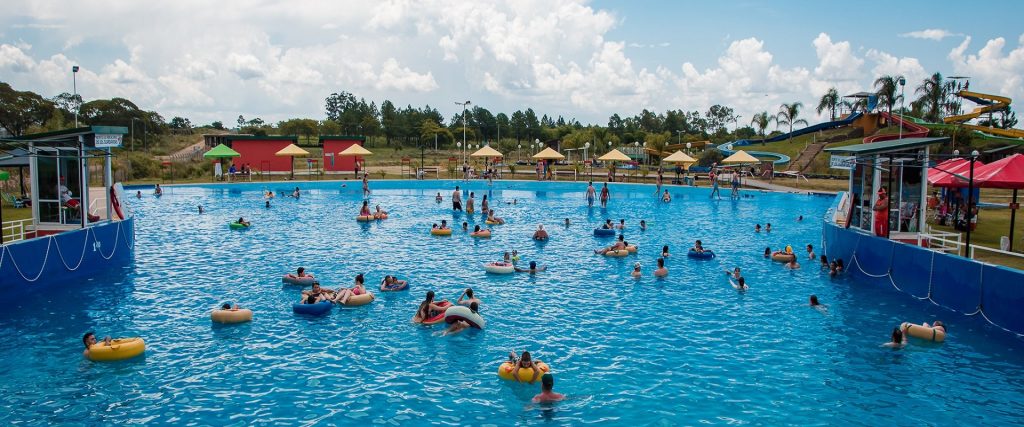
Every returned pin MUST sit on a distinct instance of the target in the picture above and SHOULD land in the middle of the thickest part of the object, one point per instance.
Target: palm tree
(788, 114)
(761, 121)
(886, 90)
(829, 101)
(932, 92)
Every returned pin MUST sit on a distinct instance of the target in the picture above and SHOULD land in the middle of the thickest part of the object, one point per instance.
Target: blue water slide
(976, 100)
(727, 148)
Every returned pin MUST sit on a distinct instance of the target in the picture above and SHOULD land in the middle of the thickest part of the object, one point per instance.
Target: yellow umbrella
(487, 151)
(355, 150)
(740, 157)
(615, 156)
(548, 154)
(292, 150)
(679, 157)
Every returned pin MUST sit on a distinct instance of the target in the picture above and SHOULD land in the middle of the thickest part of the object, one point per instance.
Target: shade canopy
(739, 157)
(614, 156)
(486, 151)
(679, 157)
(1004, 173)
(355, 150)
(221, 151)
(292, 150)
(956, 173)
(548, 154)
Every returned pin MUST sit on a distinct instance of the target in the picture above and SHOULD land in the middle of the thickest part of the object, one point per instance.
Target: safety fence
(960, 284)
(14, 231)
(64, 256)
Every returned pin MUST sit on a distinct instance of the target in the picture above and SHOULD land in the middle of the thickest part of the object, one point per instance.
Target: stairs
(803, 161)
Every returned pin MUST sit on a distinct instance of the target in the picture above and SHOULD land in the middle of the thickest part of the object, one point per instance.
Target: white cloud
(930, 34)
(992, 69)
(14, 59)
(245, 66)
(394, 76)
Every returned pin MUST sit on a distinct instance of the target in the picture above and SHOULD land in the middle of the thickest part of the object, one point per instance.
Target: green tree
(932, 94)
(180, 123)
(829, 101)
(658, 142)
(19, 110)
(329, 127)
(788, 115)
(300, 127)
(886, 87)
(217, 125)
(760, 122)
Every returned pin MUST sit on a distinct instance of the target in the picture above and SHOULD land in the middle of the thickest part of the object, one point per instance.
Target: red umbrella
(1005, 173)
(954, 173)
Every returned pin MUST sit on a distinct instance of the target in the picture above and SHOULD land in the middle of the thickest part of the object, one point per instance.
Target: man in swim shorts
(456, 199)
(591, 194)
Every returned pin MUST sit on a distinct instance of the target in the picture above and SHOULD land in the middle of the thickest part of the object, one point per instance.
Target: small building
(80, 224)
(334, 144)
(259, 151)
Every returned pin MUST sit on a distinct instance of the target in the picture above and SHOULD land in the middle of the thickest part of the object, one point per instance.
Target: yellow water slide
(987, 103)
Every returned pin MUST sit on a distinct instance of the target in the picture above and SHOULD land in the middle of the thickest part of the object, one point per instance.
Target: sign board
(842, 162)
(102, 140)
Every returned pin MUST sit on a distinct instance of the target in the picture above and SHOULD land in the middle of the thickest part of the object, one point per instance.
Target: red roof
(945, 174)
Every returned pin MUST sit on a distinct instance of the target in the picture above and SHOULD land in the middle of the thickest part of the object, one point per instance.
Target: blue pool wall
(956, 283)
(65, 257)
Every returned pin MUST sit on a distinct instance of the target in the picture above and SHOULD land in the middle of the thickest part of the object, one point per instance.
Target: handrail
(17, 230)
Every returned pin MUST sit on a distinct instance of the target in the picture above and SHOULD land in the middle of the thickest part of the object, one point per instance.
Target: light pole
(74, 87)
(680, 133)
(519, 152)
(903, 82)
(970, 209)
(133, 134)
(463, 104)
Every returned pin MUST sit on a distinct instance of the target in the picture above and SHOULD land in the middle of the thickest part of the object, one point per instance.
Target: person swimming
(768, 252)
(380, 214)
(468, 298)
(643, 225)
(664, 251)
(390, 283)
(533, 268)
(617, 246)
(547, 395)
(524, 362)
(243, 222)
(740, 284)
(622, 225)
(897, 340)
(792, 264)
(567, 222)
(735, 273)
(201, 210)
(757, 228)
(428, 308)
(438, 199)
(607, 225)
(698, 247)
(661, 271)
(494, 219)
(666, 197)
(540, 234)
(636, 270)
(810, 253)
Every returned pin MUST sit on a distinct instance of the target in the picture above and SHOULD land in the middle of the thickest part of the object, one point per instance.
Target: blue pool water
(684, 350)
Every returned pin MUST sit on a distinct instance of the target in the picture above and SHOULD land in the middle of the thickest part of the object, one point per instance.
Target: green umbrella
(221, 151)
(4, 176)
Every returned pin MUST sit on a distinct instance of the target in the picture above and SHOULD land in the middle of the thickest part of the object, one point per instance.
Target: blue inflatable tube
(318, 309)
(700, 255)
(604, 232)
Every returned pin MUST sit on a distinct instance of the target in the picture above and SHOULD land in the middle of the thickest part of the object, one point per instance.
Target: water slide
(727, 148)
(987, 104)
(910, 129)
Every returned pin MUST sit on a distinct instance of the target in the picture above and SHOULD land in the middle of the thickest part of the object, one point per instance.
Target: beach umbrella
(548, 154)
(355, 150)
(614, 156)
(679, 158)
(219, 152)
(487, 153)
(292, 151)
(740, 157)
(4, 176)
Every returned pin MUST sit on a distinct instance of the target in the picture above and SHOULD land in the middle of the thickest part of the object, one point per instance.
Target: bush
(142, 165)
(709, 156)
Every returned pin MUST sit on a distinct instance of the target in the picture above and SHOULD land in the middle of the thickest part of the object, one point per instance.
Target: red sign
(405, 160)
(1014, 205)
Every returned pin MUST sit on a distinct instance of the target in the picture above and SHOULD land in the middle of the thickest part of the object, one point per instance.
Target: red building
(334, 144)
(258, 151)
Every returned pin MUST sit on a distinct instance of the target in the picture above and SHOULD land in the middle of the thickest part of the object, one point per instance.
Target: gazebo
(1007, 173)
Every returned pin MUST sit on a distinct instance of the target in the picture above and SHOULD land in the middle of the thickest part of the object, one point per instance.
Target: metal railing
(993, 250)
(14, 231)
(942, 241)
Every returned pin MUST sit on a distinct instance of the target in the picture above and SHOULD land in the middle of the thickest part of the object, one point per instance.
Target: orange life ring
(116, 204)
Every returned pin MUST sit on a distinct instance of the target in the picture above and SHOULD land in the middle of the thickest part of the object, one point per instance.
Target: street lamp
(519, 152)
(586, 159)
(74, 86)
(970, 196)
(903, 82)
(463, 104)
(536, 143)
(680, 133)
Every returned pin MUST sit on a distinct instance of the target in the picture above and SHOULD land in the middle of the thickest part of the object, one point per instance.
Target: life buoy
(116, 204)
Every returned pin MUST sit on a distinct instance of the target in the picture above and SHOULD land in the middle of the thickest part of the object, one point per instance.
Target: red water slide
(910, 130)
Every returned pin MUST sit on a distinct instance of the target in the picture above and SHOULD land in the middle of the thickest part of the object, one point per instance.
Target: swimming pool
(684, 350)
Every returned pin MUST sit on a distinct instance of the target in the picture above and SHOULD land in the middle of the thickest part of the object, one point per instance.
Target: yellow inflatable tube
(364, 218)
(617, 253)
(525, 375)
(241, 315)
(119, 349)
(926, 333)
(358, 300)
(481, 234)
(632, 248)
(441, 232)
(489, 222)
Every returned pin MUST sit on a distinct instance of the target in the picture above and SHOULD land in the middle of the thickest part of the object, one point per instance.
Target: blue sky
(214, 61)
